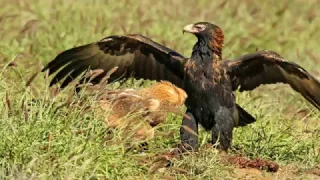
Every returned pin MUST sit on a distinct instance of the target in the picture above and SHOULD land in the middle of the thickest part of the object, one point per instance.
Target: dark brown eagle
(208, 80)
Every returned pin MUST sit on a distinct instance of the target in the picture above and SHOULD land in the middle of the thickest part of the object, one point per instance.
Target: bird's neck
(205, 52)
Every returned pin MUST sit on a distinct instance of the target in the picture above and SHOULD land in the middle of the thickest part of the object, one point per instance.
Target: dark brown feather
(134, 55)
(244, 117)
(267, 67)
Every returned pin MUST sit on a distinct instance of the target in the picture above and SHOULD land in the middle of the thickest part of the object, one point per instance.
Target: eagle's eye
(200, 27)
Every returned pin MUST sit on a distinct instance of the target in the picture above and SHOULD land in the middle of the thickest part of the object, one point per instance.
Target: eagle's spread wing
(134, 55)
(267, 67)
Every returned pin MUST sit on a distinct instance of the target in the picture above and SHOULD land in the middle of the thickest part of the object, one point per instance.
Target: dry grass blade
(189, 130)
(93, 73)
(29, 27)
(8, 102)
(104, 81)
(50, 141)
(123, 29)
(30, 80)
(180, 170)
(160, 163)
(167, 177)
(24, 110)
(88, 86)
(55, 91)
(47, 77)
(12, 64)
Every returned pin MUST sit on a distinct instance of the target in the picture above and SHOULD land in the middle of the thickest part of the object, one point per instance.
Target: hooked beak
(189, 29)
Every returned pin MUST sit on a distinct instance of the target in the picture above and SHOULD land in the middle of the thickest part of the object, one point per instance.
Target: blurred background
(33, 32)
(288, 27)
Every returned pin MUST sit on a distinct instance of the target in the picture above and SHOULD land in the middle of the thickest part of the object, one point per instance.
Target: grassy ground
(39, 142)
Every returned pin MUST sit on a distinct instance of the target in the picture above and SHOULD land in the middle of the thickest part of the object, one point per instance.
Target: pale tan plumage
(136, 112)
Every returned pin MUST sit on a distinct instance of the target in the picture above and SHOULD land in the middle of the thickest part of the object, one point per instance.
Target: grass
(40, 142)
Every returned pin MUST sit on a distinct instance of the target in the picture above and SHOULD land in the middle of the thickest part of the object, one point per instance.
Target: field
(40, 142)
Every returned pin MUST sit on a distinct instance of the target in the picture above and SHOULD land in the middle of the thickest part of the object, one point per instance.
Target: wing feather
(134, 55)
(267, 67)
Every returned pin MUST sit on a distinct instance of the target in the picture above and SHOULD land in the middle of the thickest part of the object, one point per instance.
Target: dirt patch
(288, 172)
(243, 162)
(314, 171)
(242, 167)
(251, 173)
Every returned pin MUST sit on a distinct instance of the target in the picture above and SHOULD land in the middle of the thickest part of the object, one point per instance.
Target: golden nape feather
(137, 112)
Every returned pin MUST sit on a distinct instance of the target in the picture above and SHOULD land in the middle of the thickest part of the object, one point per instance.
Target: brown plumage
(267, 67)
(136, 112)
(135, 55)
(208, 80)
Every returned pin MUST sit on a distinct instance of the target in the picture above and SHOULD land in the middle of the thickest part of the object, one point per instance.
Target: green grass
(38, 141)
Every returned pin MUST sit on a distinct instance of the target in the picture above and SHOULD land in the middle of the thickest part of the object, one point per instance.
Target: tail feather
(244, 117)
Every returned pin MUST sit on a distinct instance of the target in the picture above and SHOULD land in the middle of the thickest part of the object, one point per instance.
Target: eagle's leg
(222, 129)
(189, 133)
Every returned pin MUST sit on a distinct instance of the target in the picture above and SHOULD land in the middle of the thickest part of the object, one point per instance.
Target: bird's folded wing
(134, 55)
(267, 67)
